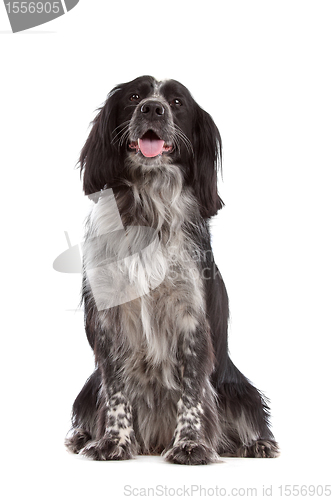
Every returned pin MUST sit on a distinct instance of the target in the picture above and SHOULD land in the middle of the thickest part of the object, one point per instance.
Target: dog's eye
(135, 97)
(176, 103)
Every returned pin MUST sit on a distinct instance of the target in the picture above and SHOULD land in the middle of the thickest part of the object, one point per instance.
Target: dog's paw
(108, 449)
(77, 440)
(190, 453)
(260, 449)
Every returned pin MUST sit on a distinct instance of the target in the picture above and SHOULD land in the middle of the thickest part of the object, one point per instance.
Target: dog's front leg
(194, 439)
(116, 439)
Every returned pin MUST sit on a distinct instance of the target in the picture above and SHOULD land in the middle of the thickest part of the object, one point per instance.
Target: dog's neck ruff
(160, 199)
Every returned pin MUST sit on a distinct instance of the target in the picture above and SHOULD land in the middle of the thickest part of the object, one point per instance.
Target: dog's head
(152, 124)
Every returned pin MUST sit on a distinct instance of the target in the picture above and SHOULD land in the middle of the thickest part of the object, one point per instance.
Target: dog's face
(159, 117)
(153, 124)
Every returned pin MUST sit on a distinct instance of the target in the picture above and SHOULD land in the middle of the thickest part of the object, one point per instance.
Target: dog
(156, 307)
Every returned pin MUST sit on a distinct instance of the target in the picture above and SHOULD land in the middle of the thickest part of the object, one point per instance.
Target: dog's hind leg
(84, 414)
(244, 416)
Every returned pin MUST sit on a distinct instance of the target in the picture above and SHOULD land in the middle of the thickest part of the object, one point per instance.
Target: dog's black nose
(152, 108)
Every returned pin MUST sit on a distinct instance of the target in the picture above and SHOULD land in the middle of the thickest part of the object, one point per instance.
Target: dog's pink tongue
(150, 147)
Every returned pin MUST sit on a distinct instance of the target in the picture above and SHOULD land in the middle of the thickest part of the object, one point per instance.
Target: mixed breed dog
(164, 382)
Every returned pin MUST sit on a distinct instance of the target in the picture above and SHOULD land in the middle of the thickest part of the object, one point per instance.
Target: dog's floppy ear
(207, 145)
(101, 158)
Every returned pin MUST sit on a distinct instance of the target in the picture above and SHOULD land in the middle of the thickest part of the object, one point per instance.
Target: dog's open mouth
(150, 145)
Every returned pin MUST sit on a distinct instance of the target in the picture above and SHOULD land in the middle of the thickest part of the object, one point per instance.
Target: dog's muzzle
(150, 129)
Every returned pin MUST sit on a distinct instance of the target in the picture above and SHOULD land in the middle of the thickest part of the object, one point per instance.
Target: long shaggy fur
(164, 382)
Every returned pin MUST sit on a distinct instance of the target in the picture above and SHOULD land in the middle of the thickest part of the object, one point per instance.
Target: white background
(263, 70)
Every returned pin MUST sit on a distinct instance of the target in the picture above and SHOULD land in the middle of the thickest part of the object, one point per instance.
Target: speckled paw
(108, 449)
(190, 453)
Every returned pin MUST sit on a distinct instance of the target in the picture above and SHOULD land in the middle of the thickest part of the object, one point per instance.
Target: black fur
(191, 403)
